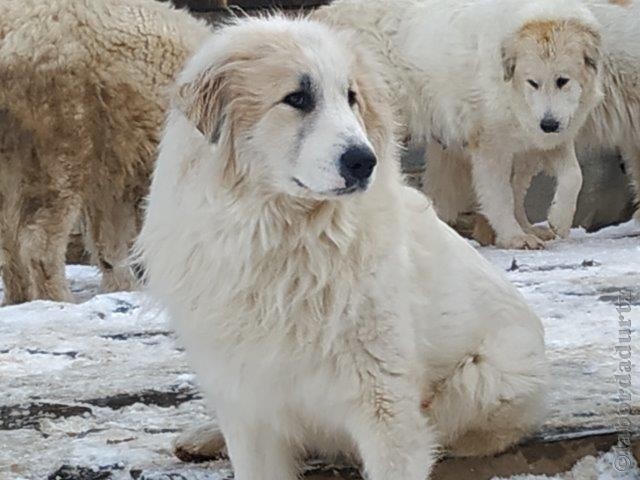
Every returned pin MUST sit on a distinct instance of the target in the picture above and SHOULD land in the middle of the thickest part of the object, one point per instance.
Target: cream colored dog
(324, 306)
(491, 81)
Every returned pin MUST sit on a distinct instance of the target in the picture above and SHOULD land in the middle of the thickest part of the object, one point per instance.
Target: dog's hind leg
(39, 205)
(16, 276)
(494, 397)
(46, 223)
(447, 181)
(112, 223)
(15, 144)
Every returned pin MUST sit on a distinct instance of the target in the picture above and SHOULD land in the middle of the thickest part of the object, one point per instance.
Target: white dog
(324, 306)
(491, 80)
(613, 123)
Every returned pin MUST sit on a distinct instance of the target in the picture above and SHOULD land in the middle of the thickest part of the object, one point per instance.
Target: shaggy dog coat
(82, 100)
(320, 318)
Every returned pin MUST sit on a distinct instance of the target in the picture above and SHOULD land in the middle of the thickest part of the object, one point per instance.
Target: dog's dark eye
(353, 98)
(561, 82)
(300, 100)
(534, 84)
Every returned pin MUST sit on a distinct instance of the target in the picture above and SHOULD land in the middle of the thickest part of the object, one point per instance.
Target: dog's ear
(508, 56)
(204, 101)
(592, 41)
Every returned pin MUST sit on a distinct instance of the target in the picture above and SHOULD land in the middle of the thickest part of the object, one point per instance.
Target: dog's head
(288, 108)
(552, 71)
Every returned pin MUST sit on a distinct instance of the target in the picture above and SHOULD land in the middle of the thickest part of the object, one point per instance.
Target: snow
(99, 389)
(589, 468)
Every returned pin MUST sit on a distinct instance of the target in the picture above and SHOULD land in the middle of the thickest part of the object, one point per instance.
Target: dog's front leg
(491, 170)
(569, 175)
(392, 436)
(524, 169)
(257, 451)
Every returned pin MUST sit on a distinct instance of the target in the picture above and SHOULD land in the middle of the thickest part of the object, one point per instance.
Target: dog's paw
(520, 242)
(483, 232)
(560, 231)
(560, 222)
(543, 233)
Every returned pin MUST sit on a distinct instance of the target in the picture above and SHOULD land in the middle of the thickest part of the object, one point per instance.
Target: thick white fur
(322, 323)
(445, 60)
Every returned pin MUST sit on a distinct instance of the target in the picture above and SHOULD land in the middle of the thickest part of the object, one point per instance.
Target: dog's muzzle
(549, 124)
(356, 166)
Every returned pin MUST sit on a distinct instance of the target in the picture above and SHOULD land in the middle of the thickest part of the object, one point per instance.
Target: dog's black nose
(357, 164)
(549, 124)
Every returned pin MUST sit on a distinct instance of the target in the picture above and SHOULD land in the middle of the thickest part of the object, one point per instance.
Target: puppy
(613, 123)
(323, 305)
(487, 82)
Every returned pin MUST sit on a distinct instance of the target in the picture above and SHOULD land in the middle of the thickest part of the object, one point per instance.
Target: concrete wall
(605, 198)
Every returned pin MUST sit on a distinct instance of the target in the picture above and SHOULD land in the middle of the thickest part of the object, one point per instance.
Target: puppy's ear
(508, 55)
(204, 101)
(592, 53)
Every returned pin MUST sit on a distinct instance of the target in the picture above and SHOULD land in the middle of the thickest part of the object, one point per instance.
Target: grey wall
(605, 199)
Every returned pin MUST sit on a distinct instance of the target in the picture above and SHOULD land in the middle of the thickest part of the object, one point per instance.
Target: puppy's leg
(203, 443)
(524, 169)
(569, 175)
(257, 452)
(494, 396)
(112, 225)
(447, 181)
(492, 182)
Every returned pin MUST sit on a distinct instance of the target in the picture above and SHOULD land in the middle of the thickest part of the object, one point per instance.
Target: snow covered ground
(99, 389)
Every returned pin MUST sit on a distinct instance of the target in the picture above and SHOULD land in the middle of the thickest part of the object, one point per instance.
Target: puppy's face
(552, 68)
(286, 107)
